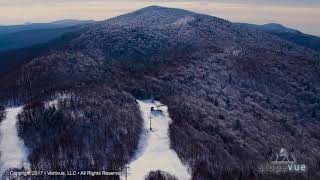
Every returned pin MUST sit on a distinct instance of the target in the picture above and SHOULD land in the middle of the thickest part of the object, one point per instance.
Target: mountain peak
(154, 7)
(161, 8)
(152, 16)
(278, 27)
(71, 22)
(275, 25)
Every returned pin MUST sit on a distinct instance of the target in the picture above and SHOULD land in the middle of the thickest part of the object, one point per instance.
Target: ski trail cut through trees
(13, 150)
(14, 154)
(154, 151)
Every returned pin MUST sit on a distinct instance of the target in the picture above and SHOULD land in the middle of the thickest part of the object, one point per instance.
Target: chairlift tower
(126, 167)
(150, 118)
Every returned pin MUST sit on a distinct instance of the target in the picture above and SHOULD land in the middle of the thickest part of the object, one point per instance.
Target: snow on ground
(13, 150)
(154, 151)
(184, 21)
(54, 103)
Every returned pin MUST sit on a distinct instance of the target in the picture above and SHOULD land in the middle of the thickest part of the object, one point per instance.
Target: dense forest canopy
(235, 95)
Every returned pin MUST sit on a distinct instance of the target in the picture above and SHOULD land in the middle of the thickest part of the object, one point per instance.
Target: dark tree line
(159, 175)
(2, 113)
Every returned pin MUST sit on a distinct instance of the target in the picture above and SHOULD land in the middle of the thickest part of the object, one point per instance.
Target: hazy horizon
(303, 16)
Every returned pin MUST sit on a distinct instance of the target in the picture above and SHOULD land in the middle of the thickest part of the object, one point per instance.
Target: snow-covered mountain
(235, 95)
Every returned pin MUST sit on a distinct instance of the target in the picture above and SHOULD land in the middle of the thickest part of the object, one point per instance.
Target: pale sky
(303, 15)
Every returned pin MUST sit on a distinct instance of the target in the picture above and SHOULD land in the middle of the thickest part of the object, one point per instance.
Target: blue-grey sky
(303, 15)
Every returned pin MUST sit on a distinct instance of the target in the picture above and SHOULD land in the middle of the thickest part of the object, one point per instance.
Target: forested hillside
(90, 129)
(235, 95)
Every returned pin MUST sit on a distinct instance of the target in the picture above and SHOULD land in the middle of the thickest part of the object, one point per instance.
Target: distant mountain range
(36, 26)
(20, 36)
(289, 34)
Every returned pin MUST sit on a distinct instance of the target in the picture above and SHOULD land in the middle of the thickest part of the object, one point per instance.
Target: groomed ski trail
(154, 151)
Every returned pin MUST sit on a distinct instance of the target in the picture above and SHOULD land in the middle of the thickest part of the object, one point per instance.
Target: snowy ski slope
(154, 151)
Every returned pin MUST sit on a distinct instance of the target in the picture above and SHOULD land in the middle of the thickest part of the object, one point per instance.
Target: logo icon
(283, 157)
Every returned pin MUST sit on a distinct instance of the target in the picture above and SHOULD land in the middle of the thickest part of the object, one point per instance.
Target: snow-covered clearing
(154, 151)
(13, 150)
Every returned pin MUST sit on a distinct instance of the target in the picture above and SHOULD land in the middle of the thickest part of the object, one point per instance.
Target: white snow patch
(13, 151)
(54, 103)
(235, 51)
(184, 21)
(154, 151)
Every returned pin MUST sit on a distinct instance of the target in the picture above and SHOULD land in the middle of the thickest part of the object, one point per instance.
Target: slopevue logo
(282, 162)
